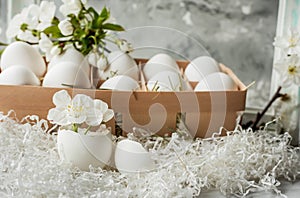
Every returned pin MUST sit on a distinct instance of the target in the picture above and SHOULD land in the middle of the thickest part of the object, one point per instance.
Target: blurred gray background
(238, 33)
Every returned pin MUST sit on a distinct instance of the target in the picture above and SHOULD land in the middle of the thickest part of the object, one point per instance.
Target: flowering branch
(259, 116)
(83, 27)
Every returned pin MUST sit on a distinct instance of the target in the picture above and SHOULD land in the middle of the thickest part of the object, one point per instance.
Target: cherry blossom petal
(14, 26)
(48, 9)
(76, 119)
(99, 104)
(58, 117)
(108, 115)
(61, 99)
(94, 117)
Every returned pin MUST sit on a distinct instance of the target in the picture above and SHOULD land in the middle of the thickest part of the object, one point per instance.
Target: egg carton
(203, 113)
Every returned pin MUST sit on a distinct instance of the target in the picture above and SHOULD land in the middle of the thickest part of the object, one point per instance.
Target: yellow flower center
(76, 110)
(293, 41)
(292, 69)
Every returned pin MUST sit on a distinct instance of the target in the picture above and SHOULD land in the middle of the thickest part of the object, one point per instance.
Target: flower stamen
(292, 69)
(75, 110)
(293, 41)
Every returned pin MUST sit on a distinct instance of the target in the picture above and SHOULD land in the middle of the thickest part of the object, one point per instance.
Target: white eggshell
(167, 81)
(66, 73)
(216, 82)
(121, 83)
(84, 150)
(71, 55)
(131, 157)
(18, 75)
(120, 63)
(158, 63)
(200, 67)
(21, 53)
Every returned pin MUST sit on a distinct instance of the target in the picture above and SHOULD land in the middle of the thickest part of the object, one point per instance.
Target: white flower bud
(55, 50)
(45, 43)
(93, 58)
(125, 46)
(102, 63)
(66, 27)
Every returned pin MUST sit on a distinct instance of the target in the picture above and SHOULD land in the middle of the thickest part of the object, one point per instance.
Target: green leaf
(81, 15)
(98, 22)
(54, 31)
(93, 11)
(3, 44)
(78, 34)
(110, 26)
(105, 13)
(1, 51)
(75, 22)
(55, 21)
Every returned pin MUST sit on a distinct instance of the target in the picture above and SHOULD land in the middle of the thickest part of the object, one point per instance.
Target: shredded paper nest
(240, 163)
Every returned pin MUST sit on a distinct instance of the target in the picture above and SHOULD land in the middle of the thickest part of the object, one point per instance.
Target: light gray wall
(238, 33)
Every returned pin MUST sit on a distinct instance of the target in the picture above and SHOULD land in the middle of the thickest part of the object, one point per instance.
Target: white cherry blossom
(290, 43)
(33, 17)
(81, 109)
(14, 27)
(289, 70)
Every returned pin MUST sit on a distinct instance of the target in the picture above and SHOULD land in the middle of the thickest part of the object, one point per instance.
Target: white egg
(200, 67)
(71, 55)
(120, 63)
(21, 53)
(132, 157)
(18, 75)
(158, 63)
(84, 150)
(218, 81)
(66, 73)
(167, 81)
(121, 83)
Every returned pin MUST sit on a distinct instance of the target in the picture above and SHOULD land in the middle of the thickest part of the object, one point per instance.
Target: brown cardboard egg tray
(157, 112)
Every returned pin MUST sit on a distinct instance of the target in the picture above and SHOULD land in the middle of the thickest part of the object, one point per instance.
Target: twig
(260, 115)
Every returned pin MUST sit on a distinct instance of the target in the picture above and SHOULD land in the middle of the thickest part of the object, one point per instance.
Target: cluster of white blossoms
(79, 110)
(32, 18)
(288, 68)
(289, 64)
(84, 28)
